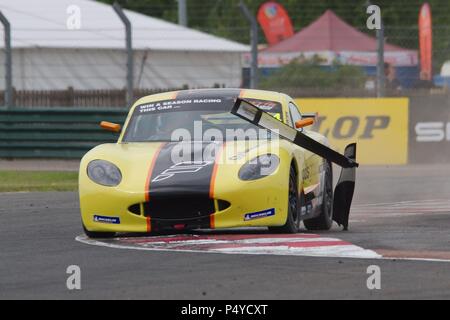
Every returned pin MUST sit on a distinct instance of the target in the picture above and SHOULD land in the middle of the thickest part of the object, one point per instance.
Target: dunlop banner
(379, 126)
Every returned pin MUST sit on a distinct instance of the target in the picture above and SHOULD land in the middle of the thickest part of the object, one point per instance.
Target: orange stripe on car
(212, 222)
(148, 181)
(149, 224)
(214, 173)
(150, 170)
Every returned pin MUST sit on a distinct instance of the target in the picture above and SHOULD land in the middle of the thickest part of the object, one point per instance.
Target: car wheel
(97, 235)
(325, 220)
(294, 203)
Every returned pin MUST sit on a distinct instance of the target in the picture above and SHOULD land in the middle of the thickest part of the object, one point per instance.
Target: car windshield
(195, 119)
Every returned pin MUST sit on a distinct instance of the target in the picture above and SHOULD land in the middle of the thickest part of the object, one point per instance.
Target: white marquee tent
(50, 52)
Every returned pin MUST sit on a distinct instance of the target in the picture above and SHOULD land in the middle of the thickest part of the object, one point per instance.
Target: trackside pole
(8, 61)
(182, 13)
(129, 46)
(381, 87)
(254, 44)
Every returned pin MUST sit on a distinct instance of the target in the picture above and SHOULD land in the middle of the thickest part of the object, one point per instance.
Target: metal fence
(54, 133)
(75, 98)
(348, 85)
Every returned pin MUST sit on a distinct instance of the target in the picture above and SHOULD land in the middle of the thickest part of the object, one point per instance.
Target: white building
(81, 44)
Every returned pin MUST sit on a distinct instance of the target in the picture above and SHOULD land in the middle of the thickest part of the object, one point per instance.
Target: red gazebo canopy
(329, 33)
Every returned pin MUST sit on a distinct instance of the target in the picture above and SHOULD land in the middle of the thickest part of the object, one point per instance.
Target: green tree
(310, 74)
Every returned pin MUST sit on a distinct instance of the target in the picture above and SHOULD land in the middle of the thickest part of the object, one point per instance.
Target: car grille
(179, 208)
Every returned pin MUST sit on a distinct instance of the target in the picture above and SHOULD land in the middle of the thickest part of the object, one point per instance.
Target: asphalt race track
(400, 213)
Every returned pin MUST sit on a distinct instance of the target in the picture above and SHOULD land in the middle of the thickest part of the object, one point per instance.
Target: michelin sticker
(260, 214)
(103, 219)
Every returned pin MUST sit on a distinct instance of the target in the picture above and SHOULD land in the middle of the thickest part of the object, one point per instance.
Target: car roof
(214, 93)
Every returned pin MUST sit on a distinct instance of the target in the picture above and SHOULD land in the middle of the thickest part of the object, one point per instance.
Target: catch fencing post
(8, 61)
(129, 45)
(182, 13)
(381, 83)
(254, 44)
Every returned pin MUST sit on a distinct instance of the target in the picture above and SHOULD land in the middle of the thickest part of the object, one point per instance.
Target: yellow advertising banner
(379, 126)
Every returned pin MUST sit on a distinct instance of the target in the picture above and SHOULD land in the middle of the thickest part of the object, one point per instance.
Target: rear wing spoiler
(251, 113)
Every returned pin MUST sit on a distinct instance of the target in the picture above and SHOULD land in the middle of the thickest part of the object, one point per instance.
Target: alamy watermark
(374, 280)
(212, 140)
(374, 20)
(73, 21)
(73, 282)
(198, 148)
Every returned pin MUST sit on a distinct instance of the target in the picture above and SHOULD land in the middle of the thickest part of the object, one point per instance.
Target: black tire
(294, 204)
(98, 235)
(325, 220)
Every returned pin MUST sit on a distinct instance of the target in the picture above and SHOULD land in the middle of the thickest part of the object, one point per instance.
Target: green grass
(13, 181)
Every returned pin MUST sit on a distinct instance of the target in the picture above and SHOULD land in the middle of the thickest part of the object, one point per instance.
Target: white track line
(353, 251)
(253, 246)
(348, 251)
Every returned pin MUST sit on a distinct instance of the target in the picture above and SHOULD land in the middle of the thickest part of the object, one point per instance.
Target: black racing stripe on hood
(182, 170)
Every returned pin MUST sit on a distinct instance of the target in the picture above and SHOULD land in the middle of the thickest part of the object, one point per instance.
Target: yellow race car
(214, 158)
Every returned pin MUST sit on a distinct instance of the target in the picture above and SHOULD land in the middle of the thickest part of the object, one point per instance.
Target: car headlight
(259, 167)
(104, 173)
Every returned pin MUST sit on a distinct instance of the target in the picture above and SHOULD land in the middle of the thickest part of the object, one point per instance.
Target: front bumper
(239, 204)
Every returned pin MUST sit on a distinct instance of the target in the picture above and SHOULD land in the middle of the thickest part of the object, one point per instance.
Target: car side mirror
(109, 126)
(304, 123)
